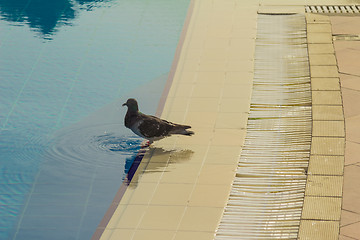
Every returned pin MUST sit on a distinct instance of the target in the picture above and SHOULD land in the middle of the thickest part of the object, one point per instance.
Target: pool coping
(120, 193)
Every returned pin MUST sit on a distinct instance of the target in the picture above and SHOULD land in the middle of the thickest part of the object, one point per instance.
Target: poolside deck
(182, 185)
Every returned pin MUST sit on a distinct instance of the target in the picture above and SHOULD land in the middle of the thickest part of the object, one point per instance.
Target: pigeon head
(132, 105)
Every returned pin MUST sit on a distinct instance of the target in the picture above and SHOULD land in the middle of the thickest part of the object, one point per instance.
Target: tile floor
(348, 54)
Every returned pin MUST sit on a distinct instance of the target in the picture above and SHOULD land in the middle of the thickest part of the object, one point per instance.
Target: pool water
(65, 69)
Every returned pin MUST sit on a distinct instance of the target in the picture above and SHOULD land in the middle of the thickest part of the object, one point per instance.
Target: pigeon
(150, 127)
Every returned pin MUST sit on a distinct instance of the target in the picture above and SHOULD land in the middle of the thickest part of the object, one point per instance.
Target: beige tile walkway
(182, 184)
(348, 59)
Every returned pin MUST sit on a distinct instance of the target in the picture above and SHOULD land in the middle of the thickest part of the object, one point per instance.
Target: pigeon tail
(181, 129)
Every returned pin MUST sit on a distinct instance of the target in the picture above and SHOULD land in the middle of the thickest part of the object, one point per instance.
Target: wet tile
(327, 112)
(321, 48)
(141, 234)
(328, 129)
(205, 219)
(351, 230)
(182, 235)
(350, 82)
(162, 217)
(351, 193)
(209, 195)
(349, 98)
(226, 120)
(326, 165)
(172, 194)
(322, 59)
(321, 208)
(348, 217)
(327, 146)
(324, 71)
(324, 186)
(325, 84)
(353, 129)
(326, 98)
(351, 153)
(319, 230)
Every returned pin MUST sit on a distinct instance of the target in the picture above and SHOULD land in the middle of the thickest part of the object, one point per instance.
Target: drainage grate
(334, 9)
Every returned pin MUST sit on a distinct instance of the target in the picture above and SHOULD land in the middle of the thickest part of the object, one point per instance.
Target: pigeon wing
(152, 127)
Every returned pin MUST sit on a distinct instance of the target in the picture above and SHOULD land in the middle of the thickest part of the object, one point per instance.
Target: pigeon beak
(124, 104)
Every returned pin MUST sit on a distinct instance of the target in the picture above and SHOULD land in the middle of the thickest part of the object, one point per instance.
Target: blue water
(65, 69)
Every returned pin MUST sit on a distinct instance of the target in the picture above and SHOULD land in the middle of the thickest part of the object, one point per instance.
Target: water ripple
(96, 145)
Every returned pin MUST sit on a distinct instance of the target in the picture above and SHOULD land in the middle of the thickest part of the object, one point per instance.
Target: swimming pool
(65, 69)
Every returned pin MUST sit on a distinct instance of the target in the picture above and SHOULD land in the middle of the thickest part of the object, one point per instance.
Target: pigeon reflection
(45, 16)
(164, 158)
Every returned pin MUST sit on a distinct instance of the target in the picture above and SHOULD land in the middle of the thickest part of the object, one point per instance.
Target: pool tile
(127, 216)
(202, 119)
(231, 120)
(152, 235)
(328, 129)
(115, 234)
(172, 194)
(162, 217)
(349, 97)
(324, 71)
(207, 91)
(350, 82)
(325, 84)
(315, 48)
(203, 105)
(322, 59)
(319, 230)
(327, 146)
(216, 77)
(181, 173)
(316, 37)
(234, 105)
(327, 112)
(239, 77)
(352, 230)
(326, 165)
(223, 155)
(324, 186)
(224, 174)
(138, 194)
(228, 137)
(319, 27)
(209, 195)
(321, 208)
(236, 91)
(182, 235)
(203, 219)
